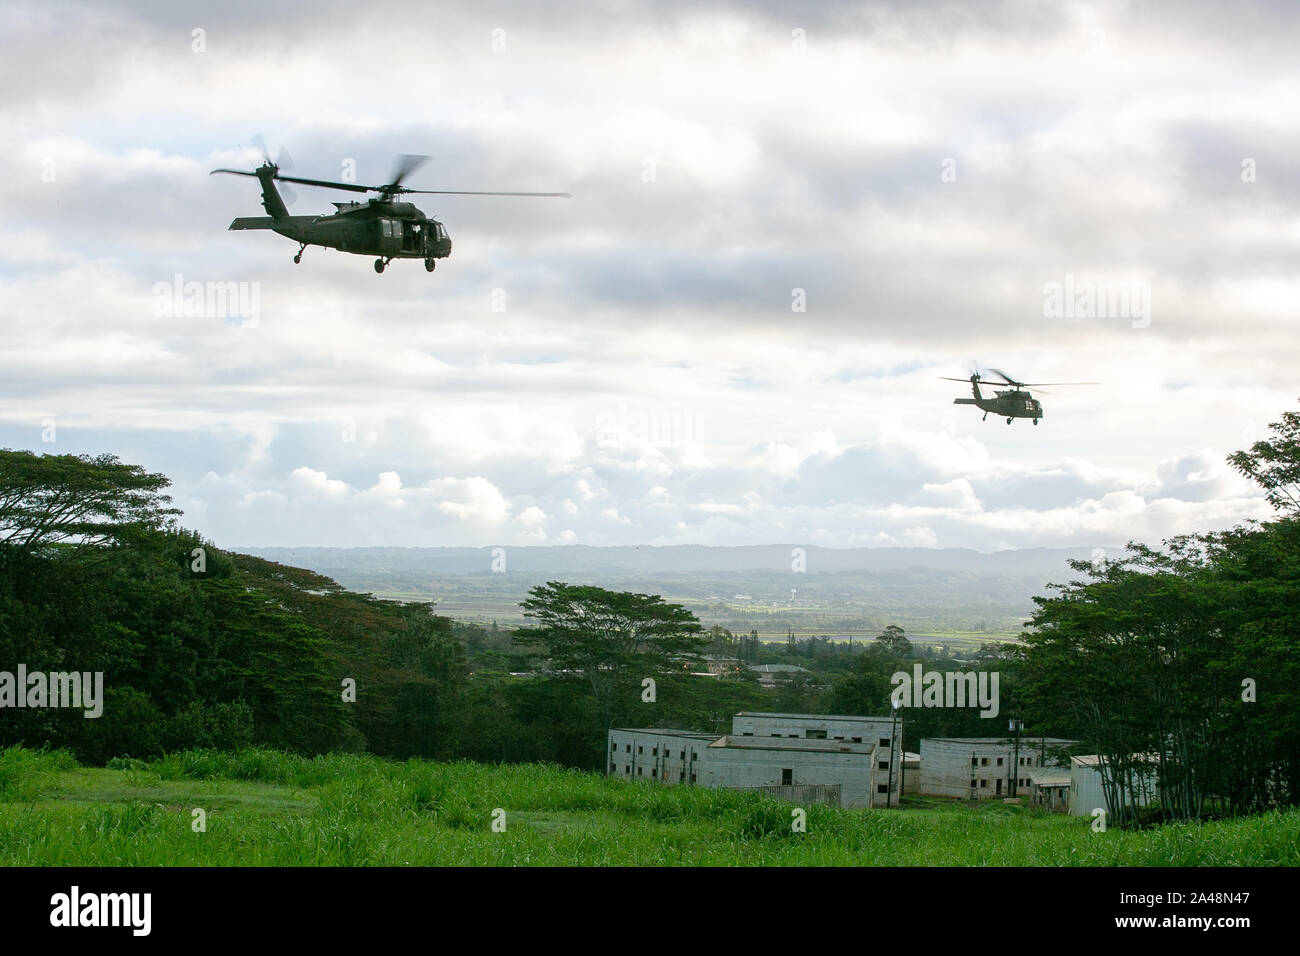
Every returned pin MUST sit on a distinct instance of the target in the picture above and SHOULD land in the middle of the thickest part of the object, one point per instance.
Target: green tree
(609, 640)
(77, 499)
(893, 638)
(1274, 464)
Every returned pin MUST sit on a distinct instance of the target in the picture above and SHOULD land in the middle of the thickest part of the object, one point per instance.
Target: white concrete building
(787, 754)
(983, 768)
(1087, 793)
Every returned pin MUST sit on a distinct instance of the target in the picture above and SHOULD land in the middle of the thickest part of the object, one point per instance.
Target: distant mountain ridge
(676, 559)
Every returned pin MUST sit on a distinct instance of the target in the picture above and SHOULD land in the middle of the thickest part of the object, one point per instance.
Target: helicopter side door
(390, 236)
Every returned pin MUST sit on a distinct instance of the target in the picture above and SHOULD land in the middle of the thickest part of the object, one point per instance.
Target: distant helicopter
(1014, 403)
(376, 227)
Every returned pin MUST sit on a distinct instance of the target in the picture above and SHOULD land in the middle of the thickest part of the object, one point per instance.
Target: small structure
(769, 674)
(1087, 793)
(1050, 787)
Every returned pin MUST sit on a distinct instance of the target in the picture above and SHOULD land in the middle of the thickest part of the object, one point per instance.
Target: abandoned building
(844, 761)
(982, 768)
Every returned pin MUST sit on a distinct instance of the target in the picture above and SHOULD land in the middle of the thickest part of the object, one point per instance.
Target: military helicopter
(377, 227)
(1014, 403)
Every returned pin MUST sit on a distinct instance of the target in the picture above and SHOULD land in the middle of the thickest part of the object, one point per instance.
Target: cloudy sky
(784, 227)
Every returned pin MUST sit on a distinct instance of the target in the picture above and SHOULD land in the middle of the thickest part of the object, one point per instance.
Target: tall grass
(264, 807)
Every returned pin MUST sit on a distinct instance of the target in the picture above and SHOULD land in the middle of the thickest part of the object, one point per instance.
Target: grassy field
(265, 808)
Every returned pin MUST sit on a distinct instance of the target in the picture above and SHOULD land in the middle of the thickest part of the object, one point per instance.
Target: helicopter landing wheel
(1035, 421)
(1008, 421)
(429, 265)
(379, 265)
(297, 259)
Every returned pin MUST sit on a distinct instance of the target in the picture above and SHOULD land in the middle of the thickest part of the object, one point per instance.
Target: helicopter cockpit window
(397, 229)
(385, 228)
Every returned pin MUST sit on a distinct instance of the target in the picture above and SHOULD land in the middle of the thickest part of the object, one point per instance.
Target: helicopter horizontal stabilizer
(964, 401)
(253, 222)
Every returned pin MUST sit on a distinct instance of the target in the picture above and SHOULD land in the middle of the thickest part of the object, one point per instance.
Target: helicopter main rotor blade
(1041, 384)
(326, 184)
(470, 192)
(948, 379)
(233, 172)
(1005, 377)
(407, 163)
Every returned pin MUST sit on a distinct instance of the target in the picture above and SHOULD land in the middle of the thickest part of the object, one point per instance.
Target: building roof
(763, 713)
(668, 732)
(1050, 776)
(777, 668)
(1025, 741)
(1091, 760)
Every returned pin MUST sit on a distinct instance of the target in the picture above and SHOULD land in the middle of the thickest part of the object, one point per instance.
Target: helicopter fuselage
(393, 230)
(1012, 403)
(377, 227)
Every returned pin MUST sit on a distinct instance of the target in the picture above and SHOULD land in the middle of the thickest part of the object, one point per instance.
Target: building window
(612, 745)
(694, 755)
(640, 770)
(641, 750)
(884, 742)
(882, 788)
(883, 765)
(629, 748)
(999, 761)
(774, 735)
(787, 777)
(682, 776)
(984, 784)
(692, 778)
(683, 754)
(816, 735)
(654, 772)
(655, 752)
(748, 733)
(627, 769)
(984, 761)
(972, 784)
(857, 740)
(974, 762)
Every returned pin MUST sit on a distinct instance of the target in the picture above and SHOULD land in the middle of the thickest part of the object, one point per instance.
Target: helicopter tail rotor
(282, 161)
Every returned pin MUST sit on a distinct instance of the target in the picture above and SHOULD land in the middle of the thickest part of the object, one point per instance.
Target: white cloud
(648, 380)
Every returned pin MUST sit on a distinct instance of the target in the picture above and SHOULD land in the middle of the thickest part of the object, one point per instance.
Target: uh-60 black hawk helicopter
(1015, 402)
(377, 227)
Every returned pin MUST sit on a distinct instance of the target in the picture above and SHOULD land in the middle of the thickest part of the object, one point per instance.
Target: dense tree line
(1181, 664)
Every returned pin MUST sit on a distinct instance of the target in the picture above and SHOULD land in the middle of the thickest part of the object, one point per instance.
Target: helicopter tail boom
(253, 222)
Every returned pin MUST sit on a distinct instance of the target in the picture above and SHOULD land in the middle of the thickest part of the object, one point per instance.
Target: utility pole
(893, 749)
(1016, 725)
